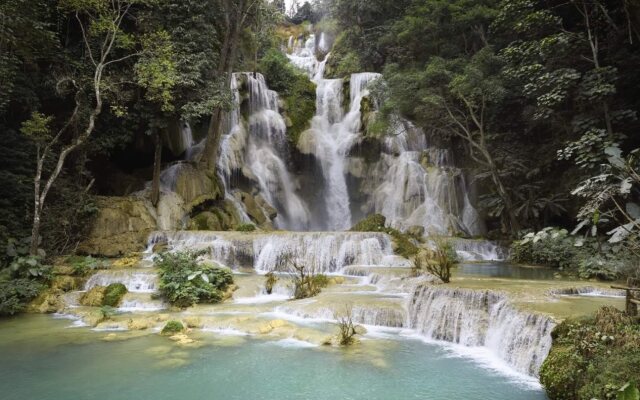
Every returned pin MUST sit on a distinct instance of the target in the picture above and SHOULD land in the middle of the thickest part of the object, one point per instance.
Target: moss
(113, 294)
(592, 357)
(301, 107)
(376, 223)
(172, 327)
(246, 228)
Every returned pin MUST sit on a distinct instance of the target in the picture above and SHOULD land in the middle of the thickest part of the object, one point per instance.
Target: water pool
(44, 359)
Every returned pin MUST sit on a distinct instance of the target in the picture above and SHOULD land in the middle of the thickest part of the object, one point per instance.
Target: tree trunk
(35, 230)
(157, 161)
(506, 199)
(209, 157)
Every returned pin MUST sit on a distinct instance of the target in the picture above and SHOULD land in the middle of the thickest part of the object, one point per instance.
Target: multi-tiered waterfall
(411, 181)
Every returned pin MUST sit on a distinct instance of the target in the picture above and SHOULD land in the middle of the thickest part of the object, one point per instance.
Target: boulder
(48, 302)
(252, 208)
(121, 226)
(94, 297)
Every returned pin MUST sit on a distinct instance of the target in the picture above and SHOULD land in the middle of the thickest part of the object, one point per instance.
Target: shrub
(305, 283)
(172, 327)
(593, 357)
(439, 260)
(246, 228)
(550, 247)
(270, 282)
(184, 281)
(346, 327)
(83, 266)
(113, 294)
(14, 294)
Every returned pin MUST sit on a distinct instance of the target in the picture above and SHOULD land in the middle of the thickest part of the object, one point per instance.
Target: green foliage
(184, 281)
(372, 223)
(550, 247)
(107, 312)
(246, 228)
(37, 127)
(156, 70)
(305, 286)
(83, 266)
(172, 327)
(593, 358)
(294, 87)
(113, 294)
(16, 293)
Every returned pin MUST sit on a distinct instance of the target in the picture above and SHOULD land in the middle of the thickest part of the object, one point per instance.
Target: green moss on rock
(113, 294)
(402, 243)
(172, 327)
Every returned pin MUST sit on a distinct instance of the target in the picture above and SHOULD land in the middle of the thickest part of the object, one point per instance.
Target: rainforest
(359, 199)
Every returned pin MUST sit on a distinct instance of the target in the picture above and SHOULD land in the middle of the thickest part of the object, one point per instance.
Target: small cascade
(479, 250)
(482, 318)
(588, 291)
(389, 315)
(140, 302)
(136, 281)
(318, 252)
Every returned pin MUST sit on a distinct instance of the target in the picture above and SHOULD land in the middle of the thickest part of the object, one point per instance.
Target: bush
(246, 228)
(594, 357)
(270, 282)
(113, 294)
(184, 281)
(107, 312)
(16, 293)
(172, 327)
(305, 283)
(83, 266)
(376, 223)
(346, 327)
(550, 247)
(439, 260)
(586, 257)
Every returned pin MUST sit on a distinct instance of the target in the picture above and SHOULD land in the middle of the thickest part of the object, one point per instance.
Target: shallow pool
(43, 359)
(505, 270)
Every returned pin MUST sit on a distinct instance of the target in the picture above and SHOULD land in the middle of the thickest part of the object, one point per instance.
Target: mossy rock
(402, 244)
(93, 297)
(113, 294)
(172, 328)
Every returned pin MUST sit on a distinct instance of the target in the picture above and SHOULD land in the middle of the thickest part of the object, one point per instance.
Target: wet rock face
(121, 226)
(94, 297)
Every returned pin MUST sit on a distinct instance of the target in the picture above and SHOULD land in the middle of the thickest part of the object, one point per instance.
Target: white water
(482, 319)
(318, 252)
(135, 280)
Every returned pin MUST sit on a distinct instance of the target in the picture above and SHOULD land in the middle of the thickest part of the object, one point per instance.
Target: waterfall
(412, 183)
(258, 148)
(318, 252)
(479, 250)
(136, 281)
(482, 318)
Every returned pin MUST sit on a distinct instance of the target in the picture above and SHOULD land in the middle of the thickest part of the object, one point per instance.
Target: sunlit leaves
(156, 69)
(37, 127)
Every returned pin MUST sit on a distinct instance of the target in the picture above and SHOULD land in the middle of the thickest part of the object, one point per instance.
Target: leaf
(629, 392)
(594, 230)
(205, 278)
(615, 156)
(620, 233)
(625, 186)
(193, 276)
(580, 226)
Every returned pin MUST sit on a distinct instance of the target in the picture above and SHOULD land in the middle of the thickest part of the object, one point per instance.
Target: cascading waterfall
(482, 318)
(259, 150)
(318, 252)
(412, 183)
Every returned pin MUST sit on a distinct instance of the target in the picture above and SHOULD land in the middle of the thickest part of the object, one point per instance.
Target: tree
(236, 16)
(101, 26)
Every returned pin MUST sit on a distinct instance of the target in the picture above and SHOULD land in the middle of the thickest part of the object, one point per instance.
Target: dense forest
(536, 99)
